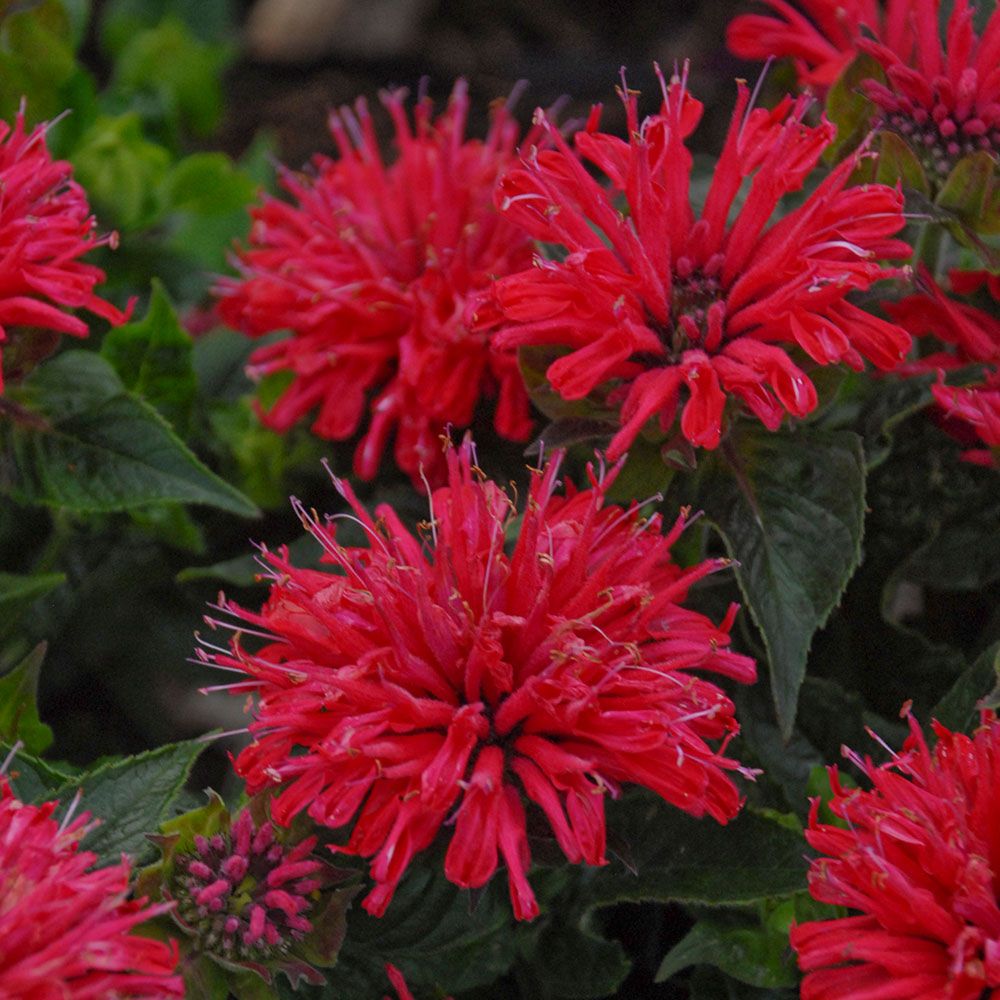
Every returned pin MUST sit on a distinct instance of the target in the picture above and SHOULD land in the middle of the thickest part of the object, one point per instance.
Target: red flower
(942, 97)
(452, 682)
(970, 336)
(819, 36)
(45, 226)
(662, 299)
(64, 929)
(370, 270)
(920, 858)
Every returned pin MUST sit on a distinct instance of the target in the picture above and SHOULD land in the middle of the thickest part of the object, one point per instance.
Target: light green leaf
(153, 357)
(19, 704)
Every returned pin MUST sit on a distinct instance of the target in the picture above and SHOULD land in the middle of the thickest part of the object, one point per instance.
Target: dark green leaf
(18, 593)
(19, 704)
(980, 684)
(101, 449)
(434, 933)
(153, 358)
(790, 508)
(132, 797)
(565, 960)
(678, 858)
(32, 779)
(711, 984)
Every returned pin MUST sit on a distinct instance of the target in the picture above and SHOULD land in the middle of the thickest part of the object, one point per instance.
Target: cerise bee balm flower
(66, 927)
(448, 682)
(370, 270)
(919, 857)
(45, 227)
(671, 310)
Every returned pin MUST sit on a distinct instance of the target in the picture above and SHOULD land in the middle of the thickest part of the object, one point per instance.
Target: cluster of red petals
(941, 93)
(370, 270)
(45, 227)
(451, 681)
(662, 299)
(970, 336)
(919, 856)
(819, 36)
(65, 929)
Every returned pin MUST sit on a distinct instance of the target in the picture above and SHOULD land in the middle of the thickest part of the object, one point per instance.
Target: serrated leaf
(101, 448)
(959, 708)
(131, 797)
(32, 779)
(433, 933)
(678, 858)
(790, 508)
(153, 357)
(19, 704)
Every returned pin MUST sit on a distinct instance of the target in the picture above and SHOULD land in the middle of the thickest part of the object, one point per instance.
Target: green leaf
(100, 448)
(182, 71)
(898, 164)
(434, 933)
(207, 197)
(972, 193)
(36, 58)
(790, 508)
(18, 593)
(675, 857)
(153, 357)
(121, 170)
(738, 945)
(569, 960)
(19, 704)
(32, 779)
(848, 108)
(979, 685)
(209, 20)
(131, 797)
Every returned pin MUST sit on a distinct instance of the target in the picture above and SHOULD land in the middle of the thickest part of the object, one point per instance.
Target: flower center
(697, 307)
(941, 136)
(245, 896)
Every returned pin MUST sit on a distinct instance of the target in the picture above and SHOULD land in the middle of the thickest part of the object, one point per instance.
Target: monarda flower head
(248, 896)
(452, 681)
(45, 228)
(969, 336)
(370, 270)
(65, 927)
(663, 301)
(940, 94)
(919, 857)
